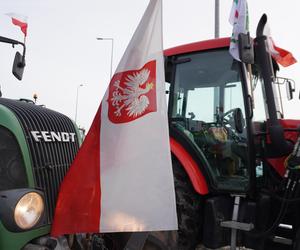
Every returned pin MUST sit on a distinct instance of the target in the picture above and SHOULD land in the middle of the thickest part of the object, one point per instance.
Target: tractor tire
(189, 209)
(189, 206)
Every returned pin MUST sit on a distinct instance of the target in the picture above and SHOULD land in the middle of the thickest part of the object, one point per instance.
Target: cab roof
(198, 46)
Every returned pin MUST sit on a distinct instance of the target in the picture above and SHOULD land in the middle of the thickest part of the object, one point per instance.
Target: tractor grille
(50, 160)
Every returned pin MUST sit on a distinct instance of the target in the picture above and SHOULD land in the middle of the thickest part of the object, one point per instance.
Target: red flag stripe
(284, 58)
(84, 175)
(21, 24)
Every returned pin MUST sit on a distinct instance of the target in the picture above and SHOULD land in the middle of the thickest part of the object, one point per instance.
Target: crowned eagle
(132, 97)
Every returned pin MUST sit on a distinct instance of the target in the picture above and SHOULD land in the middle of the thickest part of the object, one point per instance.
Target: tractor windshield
(207, 104)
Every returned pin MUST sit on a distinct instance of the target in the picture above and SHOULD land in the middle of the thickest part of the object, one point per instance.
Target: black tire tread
(189, 209)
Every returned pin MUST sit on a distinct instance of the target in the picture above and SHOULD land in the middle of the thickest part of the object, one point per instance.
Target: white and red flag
(19, 20)
(121, 179)
(239, 19)
(281, 56)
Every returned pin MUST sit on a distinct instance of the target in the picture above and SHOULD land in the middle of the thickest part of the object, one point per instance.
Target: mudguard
(197, 178)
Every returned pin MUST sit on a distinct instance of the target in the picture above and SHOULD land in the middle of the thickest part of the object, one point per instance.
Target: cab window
(208, 106)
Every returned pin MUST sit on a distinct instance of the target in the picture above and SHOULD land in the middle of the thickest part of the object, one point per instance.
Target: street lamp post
(112, 51)
(217, 18)
(77, 101)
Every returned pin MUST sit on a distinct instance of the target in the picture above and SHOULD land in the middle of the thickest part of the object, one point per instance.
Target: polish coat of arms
(132, 94)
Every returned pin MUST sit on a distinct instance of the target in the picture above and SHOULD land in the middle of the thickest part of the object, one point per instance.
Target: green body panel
(10, 240)
(15, 241)
(10, 121)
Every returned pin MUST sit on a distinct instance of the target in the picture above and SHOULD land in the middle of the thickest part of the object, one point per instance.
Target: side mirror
(18, 66)
(246, 50)
(289, 85)
(289, 90)
(19, 62)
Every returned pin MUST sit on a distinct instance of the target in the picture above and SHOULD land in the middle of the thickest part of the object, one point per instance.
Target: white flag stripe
(137, 188)
(270, 42)
(144, 46)
(17, 16)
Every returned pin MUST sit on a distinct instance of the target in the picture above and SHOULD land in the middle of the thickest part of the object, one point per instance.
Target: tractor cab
(220, 109)
(230, 139)
(207, 105)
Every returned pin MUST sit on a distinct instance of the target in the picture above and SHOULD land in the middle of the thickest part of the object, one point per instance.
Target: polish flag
(284, 57)
(121, 179)
(20, 21)
(281, 56)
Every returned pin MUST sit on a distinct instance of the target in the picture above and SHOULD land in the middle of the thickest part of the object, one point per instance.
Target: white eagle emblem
(132, 97)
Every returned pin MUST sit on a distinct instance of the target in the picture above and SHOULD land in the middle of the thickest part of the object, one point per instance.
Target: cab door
(208, 104)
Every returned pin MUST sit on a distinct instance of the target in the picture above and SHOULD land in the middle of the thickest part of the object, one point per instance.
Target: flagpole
(217, 18)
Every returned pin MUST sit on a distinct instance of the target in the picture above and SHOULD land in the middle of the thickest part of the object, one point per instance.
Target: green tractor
(37, 147)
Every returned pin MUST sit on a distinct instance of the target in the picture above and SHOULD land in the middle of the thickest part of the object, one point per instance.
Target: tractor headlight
(22, 209)
(29, 210)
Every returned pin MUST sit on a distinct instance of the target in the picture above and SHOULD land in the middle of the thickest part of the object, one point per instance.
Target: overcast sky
(62, 50)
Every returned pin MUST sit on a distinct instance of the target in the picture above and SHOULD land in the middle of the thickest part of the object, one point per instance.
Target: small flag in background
(239, 19)
(281, 56)
(121, 179)
(20, 21)
(284, 57)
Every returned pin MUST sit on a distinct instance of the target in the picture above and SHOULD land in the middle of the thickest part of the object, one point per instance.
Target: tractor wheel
(189, 212)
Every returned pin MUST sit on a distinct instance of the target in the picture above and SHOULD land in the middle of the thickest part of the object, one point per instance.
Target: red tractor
(236, 173)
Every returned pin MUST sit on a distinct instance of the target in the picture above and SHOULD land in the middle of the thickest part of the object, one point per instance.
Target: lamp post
(112, 50)
(217, 18)
(77, 101)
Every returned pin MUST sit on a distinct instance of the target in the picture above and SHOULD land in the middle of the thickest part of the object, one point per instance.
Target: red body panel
(278, 163)
(190, 166)
(290, 135)
(198, 46)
